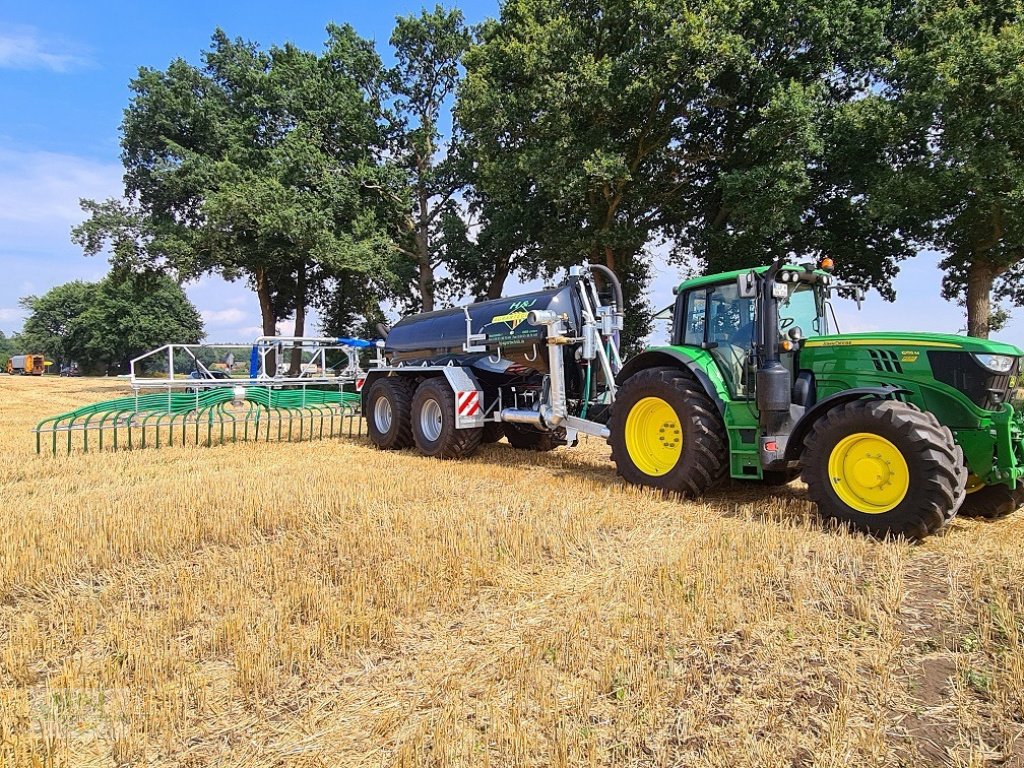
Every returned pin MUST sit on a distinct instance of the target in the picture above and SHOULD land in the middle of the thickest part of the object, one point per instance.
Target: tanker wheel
(527, 438)
(388, 406)
(885, 468)
(666, 433)
(493, 432)
(991, 501)
(433, 423)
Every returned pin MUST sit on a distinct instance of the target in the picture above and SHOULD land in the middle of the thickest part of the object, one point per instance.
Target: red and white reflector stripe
(359, 383)
(467, 403)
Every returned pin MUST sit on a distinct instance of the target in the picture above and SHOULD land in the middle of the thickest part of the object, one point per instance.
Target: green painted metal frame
(205, 417)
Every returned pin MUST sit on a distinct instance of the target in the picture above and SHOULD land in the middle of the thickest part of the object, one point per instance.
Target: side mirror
(746, 284)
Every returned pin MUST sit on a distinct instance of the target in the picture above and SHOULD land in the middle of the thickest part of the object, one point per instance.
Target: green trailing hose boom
(222, 414)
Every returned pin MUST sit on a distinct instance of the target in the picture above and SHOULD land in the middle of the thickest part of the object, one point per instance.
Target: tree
(566, 108)
(428, 51)
(254, 165)
(9, 346)
(727, 129)
(782, 155)
(956, 89)
(103, 325)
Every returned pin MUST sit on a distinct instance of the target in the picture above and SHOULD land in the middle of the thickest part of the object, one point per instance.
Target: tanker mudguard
(800, 430)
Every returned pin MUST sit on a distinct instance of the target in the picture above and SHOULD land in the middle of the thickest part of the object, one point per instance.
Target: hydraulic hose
(616, 285)
(620, 303)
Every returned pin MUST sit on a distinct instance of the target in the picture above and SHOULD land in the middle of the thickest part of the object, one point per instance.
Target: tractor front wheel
(433, 423)
(885, 468)
(992, 501)
(666, 433)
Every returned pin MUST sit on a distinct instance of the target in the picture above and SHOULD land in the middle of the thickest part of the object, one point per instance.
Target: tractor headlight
(995, 363)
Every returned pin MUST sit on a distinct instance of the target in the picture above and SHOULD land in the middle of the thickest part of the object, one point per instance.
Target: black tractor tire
(396, 433)
(527, 438)
(936, 479)
(776, 478)
(493, 432)
(993, 501)
(433, 408)
(703, 460)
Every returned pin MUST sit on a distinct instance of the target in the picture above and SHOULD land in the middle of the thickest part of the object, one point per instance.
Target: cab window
(694, 318)
(720, 320)
(801, 310)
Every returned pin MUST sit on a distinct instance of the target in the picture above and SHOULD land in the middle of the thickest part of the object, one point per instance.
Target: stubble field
(323, 603)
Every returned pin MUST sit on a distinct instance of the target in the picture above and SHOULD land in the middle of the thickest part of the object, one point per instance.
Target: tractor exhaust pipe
(773, 382)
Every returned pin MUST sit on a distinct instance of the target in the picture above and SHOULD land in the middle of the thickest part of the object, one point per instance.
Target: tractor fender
(795, 442)
(675, 358)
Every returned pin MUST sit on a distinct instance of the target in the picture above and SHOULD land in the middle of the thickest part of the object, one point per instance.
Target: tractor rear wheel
(993, 501)
(527, 438)
(433, 423)
(885, 468)
(388, 406)
(666, 433)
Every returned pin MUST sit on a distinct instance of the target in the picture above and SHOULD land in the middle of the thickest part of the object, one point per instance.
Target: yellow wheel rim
(654, 436)
(868, 473)
(974, 483)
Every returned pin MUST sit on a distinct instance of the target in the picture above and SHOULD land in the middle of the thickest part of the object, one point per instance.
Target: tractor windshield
(802, 310)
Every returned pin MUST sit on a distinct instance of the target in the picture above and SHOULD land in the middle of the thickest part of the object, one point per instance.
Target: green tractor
(893, 433)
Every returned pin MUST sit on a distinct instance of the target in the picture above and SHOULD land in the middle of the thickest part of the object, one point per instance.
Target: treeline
(101, 326)
(727, 132)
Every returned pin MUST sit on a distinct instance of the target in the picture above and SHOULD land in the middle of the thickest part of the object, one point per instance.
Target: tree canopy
(720, 133)
(103, 325)
(255, 166)
(955, 92)
(729, 131)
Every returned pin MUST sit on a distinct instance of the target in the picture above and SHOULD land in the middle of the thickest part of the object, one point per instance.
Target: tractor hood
(915, 341)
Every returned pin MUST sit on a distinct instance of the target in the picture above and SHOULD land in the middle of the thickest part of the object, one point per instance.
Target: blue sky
(64, 70)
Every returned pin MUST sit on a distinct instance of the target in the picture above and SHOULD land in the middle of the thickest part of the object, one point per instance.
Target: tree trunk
(497, 284)
(426, 269)
(979, 305)
(267, 314)
(300, 317)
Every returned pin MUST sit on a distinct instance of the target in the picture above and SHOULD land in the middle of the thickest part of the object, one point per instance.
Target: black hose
(616, 285)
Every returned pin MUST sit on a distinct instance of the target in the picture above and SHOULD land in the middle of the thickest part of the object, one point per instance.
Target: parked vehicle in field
(893, 433)
(27, 365)
(70, 370)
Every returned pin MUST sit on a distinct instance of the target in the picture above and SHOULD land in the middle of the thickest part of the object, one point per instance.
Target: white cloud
(10, 313)
(248, 332)
(43, 188)
(219, 316)
(24, 48)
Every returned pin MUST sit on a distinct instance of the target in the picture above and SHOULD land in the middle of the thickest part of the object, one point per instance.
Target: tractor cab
(720, 314)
